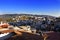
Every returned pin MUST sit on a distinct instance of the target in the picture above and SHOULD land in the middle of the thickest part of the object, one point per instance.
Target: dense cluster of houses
(39, 23)
(31, 24)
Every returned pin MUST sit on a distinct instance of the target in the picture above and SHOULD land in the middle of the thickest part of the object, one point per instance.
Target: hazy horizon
(38, 7)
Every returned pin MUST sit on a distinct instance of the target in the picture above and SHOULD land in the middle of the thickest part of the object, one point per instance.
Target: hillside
(13, 15)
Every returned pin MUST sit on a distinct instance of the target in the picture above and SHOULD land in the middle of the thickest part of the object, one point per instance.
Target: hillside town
(42, 26)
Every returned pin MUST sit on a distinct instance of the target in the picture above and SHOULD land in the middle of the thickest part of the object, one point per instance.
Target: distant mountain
(13, 15)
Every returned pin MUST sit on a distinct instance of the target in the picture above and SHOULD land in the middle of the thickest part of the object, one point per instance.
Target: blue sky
(40, 7)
